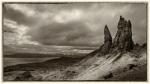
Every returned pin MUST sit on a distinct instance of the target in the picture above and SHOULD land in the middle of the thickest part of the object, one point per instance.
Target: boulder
(24, 76)
(109, 75)
(131, 66)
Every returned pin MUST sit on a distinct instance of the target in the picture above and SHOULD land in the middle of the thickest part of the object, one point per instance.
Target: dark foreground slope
(40, 67)
(130, 66)
(138, 73)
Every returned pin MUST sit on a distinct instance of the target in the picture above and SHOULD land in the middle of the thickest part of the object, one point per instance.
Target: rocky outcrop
(109, 75)
(105, 48)
(24, 76)
(123, 39)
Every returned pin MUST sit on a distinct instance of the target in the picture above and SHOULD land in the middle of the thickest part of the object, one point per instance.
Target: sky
(70, 24)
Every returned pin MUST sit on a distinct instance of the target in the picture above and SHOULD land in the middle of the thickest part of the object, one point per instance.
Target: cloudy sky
(75, 24)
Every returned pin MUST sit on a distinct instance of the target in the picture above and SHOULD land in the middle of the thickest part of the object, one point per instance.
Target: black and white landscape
(75, 41)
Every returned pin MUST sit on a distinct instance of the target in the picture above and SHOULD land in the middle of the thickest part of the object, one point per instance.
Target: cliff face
(122, 41)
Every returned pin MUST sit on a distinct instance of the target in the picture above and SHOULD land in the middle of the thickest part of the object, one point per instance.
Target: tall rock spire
(123, 39)
(105, 48)
(107, 35)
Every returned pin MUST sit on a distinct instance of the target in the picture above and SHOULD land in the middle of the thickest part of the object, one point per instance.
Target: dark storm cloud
(76, 23)
(17, 16)
(62, 34)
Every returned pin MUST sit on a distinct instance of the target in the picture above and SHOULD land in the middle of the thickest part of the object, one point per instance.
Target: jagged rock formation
(123, 39)
(105, 48)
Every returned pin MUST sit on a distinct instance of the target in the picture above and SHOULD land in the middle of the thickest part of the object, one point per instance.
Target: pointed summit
(121, 18)
(121, 23)
(107, 35)
(105, 48)
(123, 40)
(129, 24)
